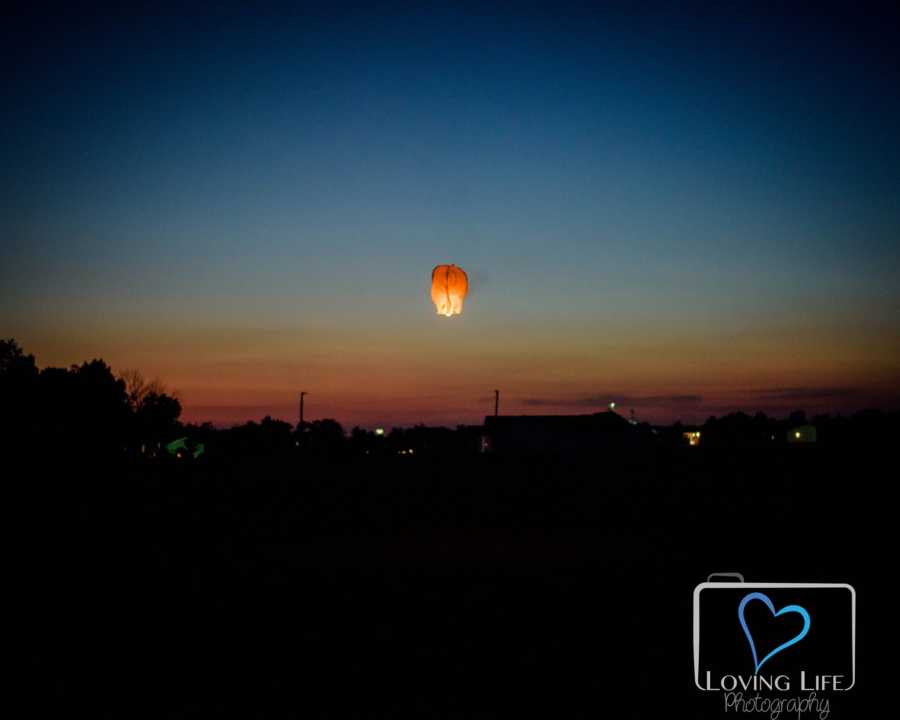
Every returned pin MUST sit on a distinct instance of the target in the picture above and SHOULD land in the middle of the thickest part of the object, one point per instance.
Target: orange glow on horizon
(401, 369)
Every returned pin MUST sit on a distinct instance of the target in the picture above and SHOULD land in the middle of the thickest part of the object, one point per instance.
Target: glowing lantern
(449, 286)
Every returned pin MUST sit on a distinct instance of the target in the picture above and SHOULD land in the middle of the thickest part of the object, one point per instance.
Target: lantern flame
(449, 285)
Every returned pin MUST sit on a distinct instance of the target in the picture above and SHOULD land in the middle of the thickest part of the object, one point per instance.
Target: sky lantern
(449, 285)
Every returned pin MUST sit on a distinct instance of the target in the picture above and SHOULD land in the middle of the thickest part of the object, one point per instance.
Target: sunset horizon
(448, 405)
(461, 360)
(253, 208)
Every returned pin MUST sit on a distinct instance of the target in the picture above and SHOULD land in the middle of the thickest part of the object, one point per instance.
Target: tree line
(88, 409)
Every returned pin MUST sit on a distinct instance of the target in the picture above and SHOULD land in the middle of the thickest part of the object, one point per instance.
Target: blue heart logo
(786, 609)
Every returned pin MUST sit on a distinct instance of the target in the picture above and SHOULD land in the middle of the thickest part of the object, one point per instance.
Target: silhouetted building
(522, 434)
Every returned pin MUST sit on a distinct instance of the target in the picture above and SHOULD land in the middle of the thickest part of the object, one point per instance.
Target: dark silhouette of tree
(324, 437)
(18, 389)
(156, 419)
(139, 388)
(268, 437)
(14, 363)
(85, 407)
(155, 413)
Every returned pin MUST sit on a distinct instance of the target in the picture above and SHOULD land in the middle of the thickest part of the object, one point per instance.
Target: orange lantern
(449, 286)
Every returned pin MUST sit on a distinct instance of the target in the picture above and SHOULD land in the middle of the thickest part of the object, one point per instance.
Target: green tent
(180, 448)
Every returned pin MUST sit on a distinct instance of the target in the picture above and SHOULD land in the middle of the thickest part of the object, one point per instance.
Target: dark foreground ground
(475, 587)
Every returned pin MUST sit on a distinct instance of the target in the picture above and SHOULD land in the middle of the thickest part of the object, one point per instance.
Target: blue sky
(659, 205)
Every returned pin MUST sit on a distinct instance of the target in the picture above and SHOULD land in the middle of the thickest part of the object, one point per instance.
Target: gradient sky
(686, 213)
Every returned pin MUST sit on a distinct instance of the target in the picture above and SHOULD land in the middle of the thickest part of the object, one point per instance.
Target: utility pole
(302, 395)
(496, 403)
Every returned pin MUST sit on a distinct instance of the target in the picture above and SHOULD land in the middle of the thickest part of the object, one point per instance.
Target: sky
(686, 211)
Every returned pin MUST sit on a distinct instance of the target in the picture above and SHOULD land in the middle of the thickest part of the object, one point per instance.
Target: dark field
(479, 586)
